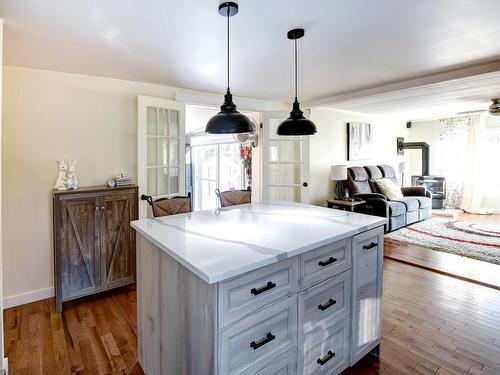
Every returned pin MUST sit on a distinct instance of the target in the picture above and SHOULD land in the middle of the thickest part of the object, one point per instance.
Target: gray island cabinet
(262, 288)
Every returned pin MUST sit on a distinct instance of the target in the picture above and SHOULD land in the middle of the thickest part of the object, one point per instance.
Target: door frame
(143, 102)
(264, 156)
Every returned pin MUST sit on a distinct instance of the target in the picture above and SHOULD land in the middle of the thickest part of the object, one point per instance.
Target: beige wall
(329, 146)
(51, 115)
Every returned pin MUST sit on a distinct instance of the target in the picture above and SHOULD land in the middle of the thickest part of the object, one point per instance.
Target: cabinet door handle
(262, 289)
(326, 358)
(257, 344)
(370, 246)
(324, 263)
(327, 305)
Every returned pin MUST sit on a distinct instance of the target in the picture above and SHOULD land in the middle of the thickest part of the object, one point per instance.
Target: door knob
(305, 184)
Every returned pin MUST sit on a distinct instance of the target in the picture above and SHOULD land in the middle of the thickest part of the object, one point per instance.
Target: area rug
(479, 241)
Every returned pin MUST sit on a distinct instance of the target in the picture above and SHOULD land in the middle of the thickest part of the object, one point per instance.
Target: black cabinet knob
(305, 184)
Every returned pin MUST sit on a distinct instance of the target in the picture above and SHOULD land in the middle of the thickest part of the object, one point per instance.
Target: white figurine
(71, 180)
(61, 179)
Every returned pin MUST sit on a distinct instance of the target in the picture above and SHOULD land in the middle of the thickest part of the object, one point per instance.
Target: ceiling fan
(493, 110)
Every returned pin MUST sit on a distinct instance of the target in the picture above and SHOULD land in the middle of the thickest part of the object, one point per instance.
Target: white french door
(161, 155)
(285, 162)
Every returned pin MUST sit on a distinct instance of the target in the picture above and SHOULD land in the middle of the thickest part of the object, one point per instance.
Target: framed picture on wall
(359, 141)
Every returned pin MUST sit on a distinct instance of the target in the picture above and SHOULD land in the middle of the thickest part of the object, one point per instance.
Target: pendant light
(296, 124)
(228, 120)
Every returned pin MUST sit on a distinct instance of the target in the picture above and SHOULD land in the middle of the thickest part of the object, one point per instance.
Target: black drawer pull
(268, 286)
(327, 305)
(256, 345)
(327, 262)
(370, 246)
(326, 358)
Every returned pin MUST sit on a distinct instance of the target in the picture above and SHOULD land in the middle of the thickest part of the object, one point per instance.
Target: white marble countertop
(219, 244)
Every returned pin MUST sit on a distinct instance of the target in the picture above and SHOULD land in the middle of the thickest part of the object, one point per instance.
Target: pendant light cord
(296, 70)
(228, 8)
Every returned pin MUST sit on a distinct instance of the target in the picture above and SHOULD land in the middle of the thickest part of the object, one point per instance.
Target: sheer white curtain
(453, 149)
(462, 161)
(474, 176)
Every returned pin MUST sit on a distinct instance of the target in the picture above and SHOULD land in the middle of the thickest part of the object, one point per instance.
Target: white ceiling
(349, 44)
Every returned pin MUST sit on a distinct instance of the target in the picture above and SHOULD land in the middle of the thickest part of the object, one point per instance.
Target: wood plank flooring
(458, 266)
(432, 324)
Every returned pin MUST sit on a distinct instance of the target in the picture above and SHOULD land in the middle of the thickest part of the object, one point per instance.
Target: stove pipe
(402, 145)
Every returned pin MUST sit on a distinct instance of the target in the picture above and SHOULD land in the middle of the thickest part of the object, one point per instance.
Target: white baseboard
(5, 367)
(27, 297)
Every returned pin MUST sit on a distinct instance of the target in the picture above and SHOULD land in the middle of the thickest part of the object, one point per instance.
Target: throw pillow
(389, 189)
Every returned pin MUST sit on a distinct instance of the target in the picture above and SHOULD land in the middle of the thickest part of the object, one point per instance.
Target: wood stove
(435, 184)
(437, 187)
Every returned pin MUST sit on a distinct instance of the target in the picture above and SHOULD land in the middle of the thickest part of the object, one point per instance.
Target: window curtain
(461, 154)
(453, 146)
(474, 178)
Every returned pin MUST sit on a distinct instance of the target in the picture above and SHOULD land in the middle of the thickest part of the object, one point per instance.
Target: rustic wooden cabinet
(94, 246)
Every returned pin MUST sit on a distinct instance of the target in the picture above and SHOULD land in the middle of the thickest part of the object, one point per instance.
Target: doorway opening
(216, 161)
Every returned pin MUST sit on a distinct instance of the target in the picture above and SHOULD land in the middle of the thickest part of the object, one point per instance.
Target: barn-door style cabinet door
(94, 246)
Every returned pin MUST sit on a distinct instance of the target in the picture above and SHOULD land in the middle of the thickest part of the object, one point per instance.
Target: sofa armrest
(373, 206)
(415, 191)
(366, 196)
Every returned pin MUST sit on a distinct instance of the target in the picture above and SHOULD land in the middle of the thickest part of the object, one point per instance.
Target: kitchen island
(260, 288)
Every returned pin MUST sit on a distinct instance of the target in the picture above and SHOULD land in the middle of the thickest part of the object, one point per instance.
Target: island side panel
(148, 305)
(184, 326)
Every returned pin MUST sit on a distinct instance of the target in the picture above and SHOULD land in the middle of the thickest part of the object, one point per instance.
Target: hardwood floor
(95, 335)
(461, 267)
(432, 324)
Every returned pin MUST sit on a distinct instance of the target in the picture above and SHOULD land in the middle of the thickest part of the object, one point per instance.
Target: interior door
(161, 155)
(285, 162)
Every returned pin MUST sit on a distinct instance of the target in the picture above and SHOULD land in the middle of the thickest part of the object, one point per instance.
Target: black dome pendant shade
(296, 124)
(228, 120)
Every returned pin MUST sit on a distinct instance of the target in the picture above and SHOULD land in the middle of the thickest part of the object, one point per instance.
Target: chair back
(357, 181)
(169, 206)
(233, 197)
(388, 172)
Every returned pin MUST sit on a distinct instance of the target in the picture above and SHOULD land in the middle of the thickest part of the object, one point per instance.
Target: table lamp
(338, 173)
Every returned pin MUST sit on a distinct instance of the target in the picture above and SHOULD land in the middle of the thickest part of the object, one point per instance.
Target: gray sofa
(414, 206)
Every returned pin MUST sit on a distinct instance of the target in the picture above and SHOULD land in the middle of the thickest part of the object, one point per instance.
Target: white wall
(424, 131)
(329, 146)
(50, 115)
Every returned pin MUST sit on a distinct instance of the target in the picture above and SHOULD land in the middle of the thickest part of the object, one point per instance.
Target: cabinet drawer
(325, 262)
(286, 365)
(254, 342)
(241, 296)
(327, 352)
(324, 305)
(367, 247)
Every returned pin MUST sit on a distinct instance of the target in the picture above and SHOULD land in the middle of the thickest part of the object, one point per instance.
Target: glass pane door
(285, 162)
(160, 149)
(163, 152)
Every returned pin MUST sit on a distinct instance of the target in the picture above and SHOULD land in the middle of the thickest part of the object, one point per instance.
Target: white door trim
(143, 102)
